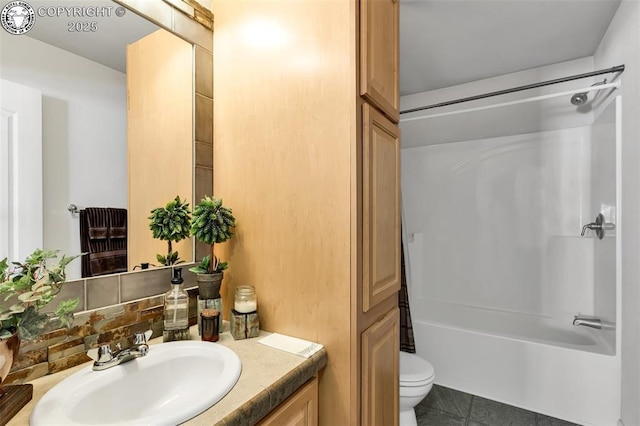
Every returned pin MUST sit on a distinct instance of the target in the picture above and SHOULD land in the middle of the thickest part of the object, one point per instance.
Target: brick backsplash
(64, 348)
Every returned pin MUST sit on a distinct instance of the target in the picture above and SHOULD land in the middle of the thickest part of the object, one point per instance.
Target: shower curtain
(407, 342)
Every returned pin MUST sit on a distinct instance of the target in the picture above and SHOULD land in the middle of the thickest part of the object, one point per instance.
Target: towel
(103, 236)
(300, 347)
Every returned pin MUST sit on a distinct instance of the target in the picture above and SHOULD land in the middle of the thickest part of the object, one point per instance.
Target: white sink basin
(173, 383)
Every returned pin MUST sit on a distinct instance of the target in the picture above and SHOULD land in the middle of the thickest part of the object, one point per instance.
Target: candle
(245, 300)
(244, 307)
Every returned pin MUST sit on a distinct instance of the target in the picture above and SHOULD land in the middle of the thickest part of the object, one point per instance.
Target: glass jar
(210, 304)
(210, 318)
(246, 300)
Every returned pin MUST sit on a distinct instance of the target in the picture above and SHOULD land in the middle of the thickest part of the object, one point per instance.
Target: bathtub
(537, 363)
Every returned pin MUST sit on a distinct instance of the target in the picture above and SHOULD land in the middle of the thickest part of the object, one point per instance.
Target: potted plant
(212, 223)
(170, 223)
(29, 286)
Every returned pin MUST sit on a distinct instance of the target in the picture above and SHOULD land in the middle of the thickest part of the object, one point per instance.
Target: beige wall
(160, 137)
(284, 111)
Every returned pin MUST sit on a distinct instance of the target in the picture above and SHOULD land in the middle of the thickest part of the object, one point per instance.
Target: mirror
(84, 121)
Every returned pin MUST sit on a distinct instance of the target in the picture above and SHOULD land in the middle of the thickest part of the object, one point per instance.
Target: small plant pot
(9, 348)
(209, 285)
(13, 397)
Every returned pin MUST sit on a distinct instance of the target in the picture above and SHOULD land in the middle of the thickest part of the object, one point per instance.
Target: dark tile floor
(448, 407)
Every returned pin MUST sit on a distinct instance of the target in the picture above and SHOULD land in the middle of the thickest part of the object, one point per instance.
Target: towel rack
(74, 209)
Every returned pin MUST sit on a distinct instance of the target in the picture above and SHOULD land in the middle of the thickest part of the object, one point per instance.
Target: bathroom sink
(173, 383)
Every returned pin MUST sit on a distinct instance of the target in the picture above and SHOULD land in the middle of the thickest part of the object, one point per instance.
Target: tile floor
(448, 407)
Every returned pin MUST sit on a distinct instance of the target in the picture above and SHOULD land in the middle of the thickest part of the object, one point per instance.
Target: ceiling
(449, 42)
(442, 42)
(106, 45)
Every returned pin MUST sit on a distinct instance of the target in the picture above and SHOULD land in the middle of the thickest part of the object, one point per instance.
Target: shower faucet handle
(594, 226)
(600, 226)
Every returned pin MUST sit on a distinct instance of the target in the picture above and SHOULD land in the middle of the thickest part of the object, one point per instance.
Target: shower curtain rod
(599, 87)
(619, 68)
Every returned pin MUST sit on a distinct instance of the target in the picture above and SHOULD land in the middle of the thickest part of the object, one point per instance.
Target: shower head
(579, 98)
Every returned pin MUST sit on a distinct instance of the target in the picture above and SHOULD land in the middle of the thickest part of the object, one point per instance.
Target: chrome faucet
(104, 358)
(587, 322)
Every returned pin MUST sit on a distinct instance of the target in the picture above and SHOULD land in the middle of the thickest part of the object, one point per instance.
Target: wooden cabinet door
(379, 46)
(381, 208)
(381, 371)
(300, 409)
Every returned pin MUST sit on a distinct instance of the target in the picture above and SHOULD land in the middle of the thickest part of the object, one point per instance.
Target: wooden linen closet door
(381, 371)
(381, 208)
(160, 137)
(379, 58)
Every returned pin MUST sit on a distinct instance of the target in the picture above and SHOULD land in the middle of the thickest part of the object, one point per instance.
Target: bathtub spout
(587, 322)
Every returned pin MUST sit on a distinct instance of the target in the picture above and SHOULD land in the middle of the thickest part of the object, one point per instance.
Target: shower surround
(497, 265)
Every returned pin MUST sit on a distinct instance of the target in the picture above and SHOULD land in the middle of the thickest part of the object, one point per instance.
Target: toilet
(416, 380)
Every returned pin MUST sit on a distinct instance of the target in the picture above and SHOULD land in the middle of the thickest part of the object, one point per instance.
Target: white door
(20, 170)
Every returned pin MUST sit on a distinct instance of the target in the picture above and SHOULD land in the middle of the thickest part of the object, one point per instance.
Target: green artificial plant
(32, 285)
(212, 223)
(170, 223)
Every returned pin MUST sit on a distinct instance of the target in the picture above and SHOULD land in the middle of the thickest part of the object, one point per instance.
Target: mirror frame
(193, 22)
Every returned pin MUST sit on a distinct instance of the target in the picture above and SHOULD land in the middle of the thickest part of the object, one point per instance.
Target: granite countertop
(269, 376)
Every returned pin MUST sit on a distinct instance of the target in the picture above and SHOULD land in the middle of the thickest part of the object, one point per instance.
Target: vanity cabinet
(300, 409)
(379, 46)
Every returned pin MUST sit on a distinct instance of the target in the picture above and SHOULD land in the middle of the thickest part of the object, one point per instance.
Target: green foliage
(212, 223)
(170, 259)
(32, 285)
(204, 266)
(32, 323)
(170, 223)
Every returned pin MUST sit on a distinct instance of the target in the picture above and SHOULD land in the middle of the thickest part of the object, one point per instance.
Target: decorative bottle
(176, 310)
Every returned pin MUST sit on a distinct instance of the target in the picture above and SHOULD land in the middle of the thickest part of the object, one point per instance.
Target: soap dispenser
(176, 310)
